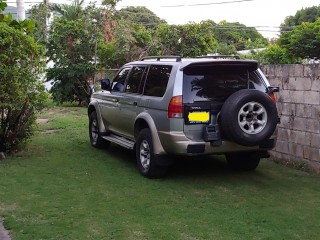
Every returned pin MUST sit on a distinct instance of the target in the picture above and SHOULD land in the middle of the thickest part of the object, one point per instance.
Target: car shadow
(212, 167)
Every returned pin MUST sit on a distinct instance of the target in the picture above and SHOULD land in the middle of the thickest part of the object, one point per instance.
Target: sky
(265, 15)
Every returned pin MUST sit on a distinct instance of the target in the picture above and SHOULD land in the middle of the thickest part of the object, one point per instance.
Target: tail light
(272, 95)
(175, 107)
(271, 92)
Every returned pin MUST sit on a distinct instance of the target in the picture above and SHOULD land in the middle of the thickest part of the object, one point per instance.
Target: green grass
(62, 188)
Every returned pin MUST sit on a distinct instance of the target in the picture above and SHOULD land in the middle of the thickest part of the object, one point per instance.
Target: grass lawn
(62, 188)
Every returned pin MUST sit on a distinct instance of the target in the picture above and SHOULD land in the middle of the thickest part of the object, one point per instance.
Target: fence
(299, 109)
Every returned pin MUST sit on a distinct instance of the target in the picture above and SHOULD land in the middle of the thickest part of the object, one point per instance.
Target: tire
(95, 136)
(243, 161)
(248, 117)
(147, 161)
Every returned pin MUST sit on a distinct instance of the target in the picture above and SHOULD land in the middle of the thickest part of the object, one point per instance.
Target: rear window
(217, 83)
(157, 80)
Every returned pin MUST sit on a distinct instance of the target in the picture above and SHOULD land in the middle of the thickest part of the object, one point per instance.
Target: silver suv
(170, 105)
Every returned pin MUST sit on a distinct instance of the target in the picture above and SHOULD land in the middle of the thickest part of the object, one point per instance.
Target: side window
(134, 83)
(119, 80)
(157, 80)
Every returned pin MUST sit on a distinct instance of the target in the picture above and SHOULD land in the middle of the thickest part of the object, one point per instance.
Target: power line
(193, 5)
(207, 4)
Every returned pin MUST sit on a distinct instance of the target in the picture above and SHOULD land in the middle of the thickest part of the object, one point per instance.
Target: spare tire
(248, 117)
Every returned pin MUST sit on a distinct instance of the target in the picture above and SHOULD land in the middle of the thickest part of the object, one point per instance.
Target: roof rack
(221, 57)
(158, 58)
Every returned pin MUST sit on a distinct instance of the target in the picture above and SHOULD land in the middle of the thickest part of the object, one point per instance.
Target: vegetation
(83, 40)
(65, 189)
(303, 41)
(299, 38)
(310, 14)
(39, 13)
(139, 15)
(72, 48)
(187, 40)
(238, 35)
(21, 93)
(26, 25)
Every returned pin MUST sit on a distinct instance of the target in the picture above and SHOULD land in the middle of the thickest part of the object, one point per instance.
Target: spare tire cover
(248, 117)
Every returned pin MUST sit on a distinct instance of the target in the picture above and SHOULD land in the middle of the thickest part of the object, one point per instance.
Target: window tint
(157, 80)
(119, 80)
(135, 79)
(213, 83)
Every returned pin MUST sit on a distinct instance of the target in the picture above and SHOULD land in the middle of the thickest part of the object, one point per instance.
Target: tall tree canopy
(237, 34)
(72, 47)
(310, 14)
(300, 36)
(189, 40)
(303, 41)
(139, 15)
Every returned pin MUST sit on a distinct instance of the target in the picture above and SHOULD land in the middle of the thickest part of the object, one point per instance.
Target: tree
(26, 25)
(310, 14)
(132, 41)
(72, 45)
(21, 93)
(165, 40)
(226, 49)
(275, 54)
(188, 40)
(139, 15)
(303, 41)
(39, 13)
(237, 34)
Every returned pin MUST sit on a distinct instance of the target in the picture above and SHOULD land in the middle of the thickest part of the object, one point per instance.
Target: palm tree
(70, 12)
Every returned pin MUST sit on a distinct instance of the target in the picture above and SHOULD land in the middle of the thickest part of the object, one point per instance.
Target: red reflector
(273, 97)
(175, 107)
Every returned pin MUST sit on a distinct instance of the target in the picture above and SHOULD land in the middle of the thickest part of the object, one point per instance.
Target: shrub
(22, 94)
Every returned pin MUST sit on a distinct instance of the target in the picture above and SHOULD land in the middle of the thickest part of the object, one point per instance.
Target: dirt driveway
(4, 234)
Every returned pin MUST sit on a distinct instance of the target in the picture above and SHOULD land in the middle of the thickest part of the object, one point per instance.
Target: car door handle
(115, 100)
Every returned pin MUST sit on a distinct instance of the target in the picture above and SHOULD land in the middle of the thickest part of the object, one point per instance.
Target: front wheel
(243, 161)
(147, 161)
(95, 136)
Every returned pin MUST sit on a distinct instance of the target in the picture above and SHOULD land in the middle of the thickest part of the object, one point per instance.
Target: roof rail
(158, 58)
(221, 57)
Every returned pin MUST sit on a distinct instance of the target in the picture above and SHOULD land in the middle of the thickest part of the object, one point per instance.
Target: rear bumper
(178, 143)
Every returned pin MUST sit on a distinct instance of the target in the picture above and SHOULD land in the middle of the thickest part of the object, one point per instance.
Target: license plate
(198, 117)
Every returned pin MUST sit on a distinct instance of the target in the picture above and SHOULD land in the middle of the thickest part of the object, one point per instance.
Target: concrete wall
(299, 109)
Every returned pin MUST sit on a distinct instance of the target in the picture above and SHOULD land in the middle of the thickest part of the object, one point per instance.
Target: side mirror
(105, 84)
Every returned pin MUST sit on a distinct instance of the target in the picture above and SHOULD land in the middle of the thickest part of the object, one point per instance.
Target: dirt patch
(49, 131)
(4, 234)
(42, 120)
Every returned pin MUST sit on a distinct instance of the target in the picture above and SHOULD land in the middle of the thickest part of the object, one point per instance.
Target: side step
(124, 142)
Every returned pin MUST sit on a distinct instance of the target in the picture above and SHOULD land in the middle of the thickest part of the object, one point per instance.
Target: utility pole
(46, 3)
(21, 14)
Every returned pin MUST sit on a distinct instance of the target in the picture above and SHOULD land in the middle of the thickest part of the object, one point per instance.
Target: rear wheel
(243, 161)
(147, 161)
(95, 136)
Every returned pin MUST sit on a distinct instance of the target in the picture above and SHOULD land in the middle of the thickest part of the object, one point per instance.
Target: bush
(21, 92)
(275, 54)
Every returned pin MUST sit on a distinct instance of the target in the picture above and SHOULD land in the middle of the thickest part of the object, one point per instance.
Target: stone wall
(299, 109)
